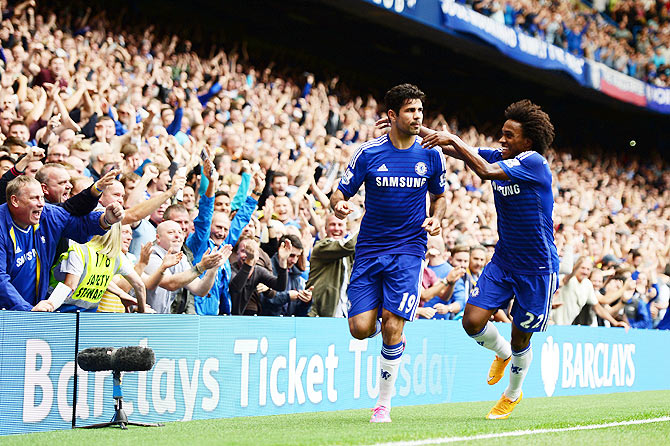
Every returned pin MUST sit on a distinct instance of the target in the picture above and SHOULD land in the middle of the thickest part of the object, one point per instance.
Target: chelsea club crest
(420, 168)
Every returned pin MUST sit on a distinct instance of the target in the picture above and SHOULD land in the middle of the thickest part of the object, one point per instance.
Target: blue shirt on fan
(524, 205)
(396, 182)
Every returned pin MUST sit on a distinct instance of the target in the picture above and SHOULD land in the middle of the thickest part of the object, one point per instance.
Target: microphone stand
(120, 418)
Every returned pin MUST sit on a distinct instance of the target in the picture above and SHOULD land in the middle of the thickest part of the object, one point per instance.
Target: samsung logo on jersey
(512, 189)
(400, 182)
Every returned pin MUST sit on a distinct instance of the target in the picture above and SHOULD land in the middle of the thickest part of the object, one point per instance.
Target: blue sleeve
(241, 193)
(438, 179)
(10, 299)
(458, 294)
(204, 184)
(529, 167)
(240, 220)
(643, 316)
(81, 229)
(197, 241)
(354, 175)
(279, 300)
(175, 126)
(490, 155)
(214, 89)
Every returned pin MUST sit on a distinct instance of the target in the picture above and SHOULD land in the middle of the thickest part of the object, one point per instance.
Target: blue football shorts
(532, 293)
(391, 281)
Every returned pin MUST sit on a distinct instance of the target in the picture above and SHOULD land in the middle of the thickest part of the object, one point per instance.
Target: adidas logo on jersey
(18, 250)
(382, 168)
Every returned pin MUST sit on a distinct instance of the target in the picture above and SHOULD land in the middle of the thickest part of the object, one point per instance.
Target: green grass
(409, 423)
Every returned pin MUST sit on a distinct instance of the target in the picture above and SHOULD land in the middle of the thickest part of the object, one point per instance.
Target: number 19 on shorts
(409, 300)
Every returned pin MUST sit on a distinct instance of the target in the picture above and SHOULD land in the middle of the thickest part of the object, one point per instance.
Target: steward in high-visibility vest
(86, 272)
(98, 272)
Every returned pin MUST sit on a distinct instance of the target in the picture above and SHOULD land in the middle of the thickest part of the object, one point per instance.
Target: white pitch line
(442, 440)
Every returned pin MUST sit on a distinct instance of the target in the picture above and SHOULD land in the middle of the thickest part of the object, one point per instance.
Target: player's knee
(393, 327)
(472, 326)
(359, 330)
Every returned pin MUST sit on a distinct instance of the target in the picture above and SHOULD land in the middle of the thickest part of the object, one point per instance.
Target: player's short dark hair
(278, 174)
(397, 96)
(535, 123)
(221, 192)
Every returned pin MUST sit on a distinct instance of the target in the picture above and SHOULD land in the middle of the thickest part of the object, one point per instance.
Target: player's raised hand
(383, 124)
(441, 138)
(342, 209)
(431, 225)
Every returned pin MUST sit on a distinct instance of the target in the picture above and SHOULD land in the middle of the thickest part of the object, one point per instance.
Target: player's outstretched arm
(481, 167)
(448, 149)
(340, 204)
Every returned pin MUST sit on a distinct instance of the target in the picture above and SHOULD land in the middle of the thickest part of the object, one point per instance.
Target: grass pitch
(427, 423)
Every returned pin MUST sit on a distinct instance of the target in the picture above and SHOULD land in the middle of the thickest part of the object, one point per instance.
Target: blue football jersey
(396, 182)
(524, 205)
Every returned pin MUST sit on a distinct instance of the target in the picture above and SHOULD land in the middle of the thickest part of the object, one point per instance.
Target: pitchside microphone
(124, 359)
(95, 359)
(133, 359)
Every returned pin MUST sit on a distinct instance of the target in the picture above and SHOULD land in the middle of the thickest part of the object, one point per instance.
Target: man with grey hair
(31, 230)
(99, 157)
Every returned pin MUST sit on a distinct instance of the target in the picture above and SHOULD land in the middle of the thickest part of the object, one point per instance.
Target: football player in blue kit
(386, 277)
(525, 263)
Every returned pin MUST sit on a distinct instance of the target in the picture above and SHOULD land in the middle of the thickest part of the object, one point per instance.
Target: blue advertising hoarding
(456, 19)
(217, 367)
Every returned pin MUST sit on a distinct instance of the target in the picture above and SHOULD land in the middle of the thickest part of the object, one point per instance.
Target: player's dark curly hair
(398, 95)
(535, 123)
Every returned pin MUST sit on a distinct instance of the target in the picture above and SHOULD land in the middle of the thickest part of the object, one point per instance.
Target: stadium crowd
(632, 37)
(205, 181)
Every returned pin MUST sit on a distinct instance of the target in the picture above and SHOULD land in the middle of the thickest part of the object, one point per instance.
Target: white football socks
(491, 339)
(389, 363)
(518, 368)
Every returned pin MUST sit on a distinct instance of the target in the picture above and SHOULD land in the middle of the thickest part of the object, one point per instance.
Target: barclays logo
(550, 365)
(586, 365)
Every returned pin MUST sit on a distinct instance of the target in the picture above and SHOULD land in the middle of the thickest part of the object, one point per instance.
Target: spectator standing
(164, 279)
(28, 242)
(247, 274)
(330, 269)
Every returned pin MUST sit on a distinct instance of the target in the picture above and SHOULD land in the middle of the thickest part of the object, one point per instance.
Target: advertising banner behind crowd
(215, 367)
(458, 20)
